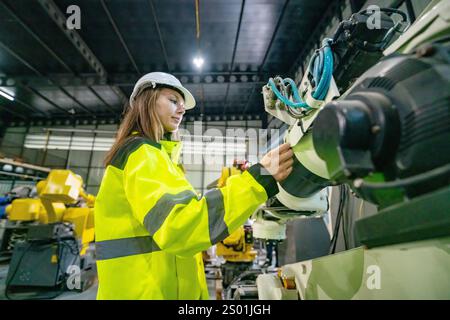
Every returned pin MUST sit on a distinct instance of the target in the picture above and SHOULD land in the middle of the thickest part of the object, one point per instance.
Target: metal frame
(274, 34)
(20, 115)
(163, 48)
(49, 50)
(334, 8)
(119, 35)
(234, 54)
(42, 43)
(60, 19)
(37, 72)
(261, 67)
(127, 79)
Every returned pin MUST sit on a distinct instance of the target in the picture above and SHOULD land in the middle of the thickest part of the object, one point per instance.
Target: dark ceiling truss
(15, 113)
(119, 35)
(107, 105)
(129, 79)
(36, 92)
(261, 67)
(234, 53)
(60, 19)
(283, 11)
(335, 9)
(250, 97)
(107, 118)
(11, 12)
(31, 108)
(158, 29)
(43, 77)
(231, 88)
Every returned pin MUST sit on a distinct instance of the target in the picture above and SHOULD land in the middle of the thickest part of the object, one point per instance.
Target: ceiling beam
(102, 100)
(163, 48)
(12, 13)
(15, 113)
(41, 75)
(60, 19)
(250, 99)
(236, 39)
(108, 118)
(129, 79)
(333, 9)
(119, 35)
(280, 19)
(261, 67)
(34, 91)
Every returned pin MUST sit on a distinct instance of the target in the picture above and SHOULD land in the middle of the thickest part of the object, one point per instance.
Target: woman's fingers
(288, 163)
(284, 147)
(288, 154)
(279, 161)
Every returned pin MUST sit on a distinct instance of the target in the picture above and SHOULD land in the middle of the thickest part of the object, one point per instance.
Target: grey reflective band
(117, 248)
(155, 218)
(218, 230)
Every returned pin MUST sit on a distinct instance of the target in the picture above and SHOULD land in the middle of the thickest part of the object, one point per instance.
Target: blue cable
(291, 82)
(284, 99)
(321, 64)
(324, 83)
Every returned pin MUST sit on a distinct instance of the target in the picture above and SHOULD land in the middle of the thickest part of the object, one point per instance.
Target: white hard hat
(154, 78)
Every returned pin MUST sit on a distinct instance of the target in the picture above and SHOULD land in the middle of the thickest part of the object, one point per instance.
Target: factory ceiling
(61, 63)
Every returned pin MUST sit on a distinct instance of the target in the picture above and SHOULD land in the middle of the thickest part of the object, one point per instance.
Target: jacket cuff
(264, 178)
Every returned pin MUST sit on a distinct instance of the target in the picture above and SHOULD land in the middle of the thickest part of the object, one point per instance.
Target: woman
(150, 225)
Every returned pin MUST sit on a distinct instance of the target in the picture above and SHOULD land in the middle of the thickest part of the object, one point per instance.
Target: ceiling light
(7, 96)
(198, 61)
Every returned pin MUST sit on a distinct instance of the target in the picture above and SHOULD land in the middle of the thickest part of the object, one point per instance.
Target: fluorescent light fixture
(6, 95)
(35, 141)
(198, 61)
(39, 141)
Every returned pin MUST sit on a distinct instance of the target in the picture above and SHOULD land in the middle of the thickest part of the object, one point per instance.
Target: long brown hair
(142, 118)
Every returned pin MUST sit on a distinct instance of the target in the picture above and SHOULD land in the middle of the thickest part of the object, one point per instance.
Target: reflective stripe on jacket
(151, 226)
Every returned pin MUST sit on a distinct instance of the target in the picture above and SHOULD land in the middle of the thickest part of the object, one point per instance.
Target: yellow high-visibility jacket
(151, 225)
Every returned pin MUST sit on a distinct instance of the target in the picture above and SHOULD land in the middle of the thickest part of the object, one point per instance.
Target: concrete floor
(89, 294)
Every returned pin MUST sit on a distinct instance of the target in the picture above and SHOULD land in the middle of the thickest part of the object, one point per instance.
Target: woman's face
(170, 109)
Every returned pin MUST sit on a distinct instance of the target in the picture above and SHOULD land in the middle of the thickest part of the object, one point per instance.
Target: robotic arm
(386, 134)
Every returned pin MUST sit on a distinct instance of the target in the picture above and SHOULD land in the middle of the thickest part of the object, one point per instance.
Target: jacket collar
(173, 148)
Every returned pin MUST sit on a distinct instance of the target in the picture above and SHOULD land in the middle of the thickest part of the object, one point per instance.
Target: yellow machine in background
(58, 195)
(238, 246)
(237, 249)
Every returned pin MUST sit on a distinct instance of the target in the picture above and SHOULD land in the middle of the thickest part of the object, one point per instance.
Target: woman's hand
(279, 162)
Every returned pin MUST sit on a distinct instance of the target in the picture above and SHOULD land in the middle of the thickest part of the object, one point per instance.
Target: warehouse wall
(89, 163)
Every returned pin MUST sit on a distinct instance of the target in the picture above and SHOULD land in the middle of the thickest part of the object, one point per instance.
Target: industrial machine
(375, 118)
(23, 191)
(237, 249)
(49, 236)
